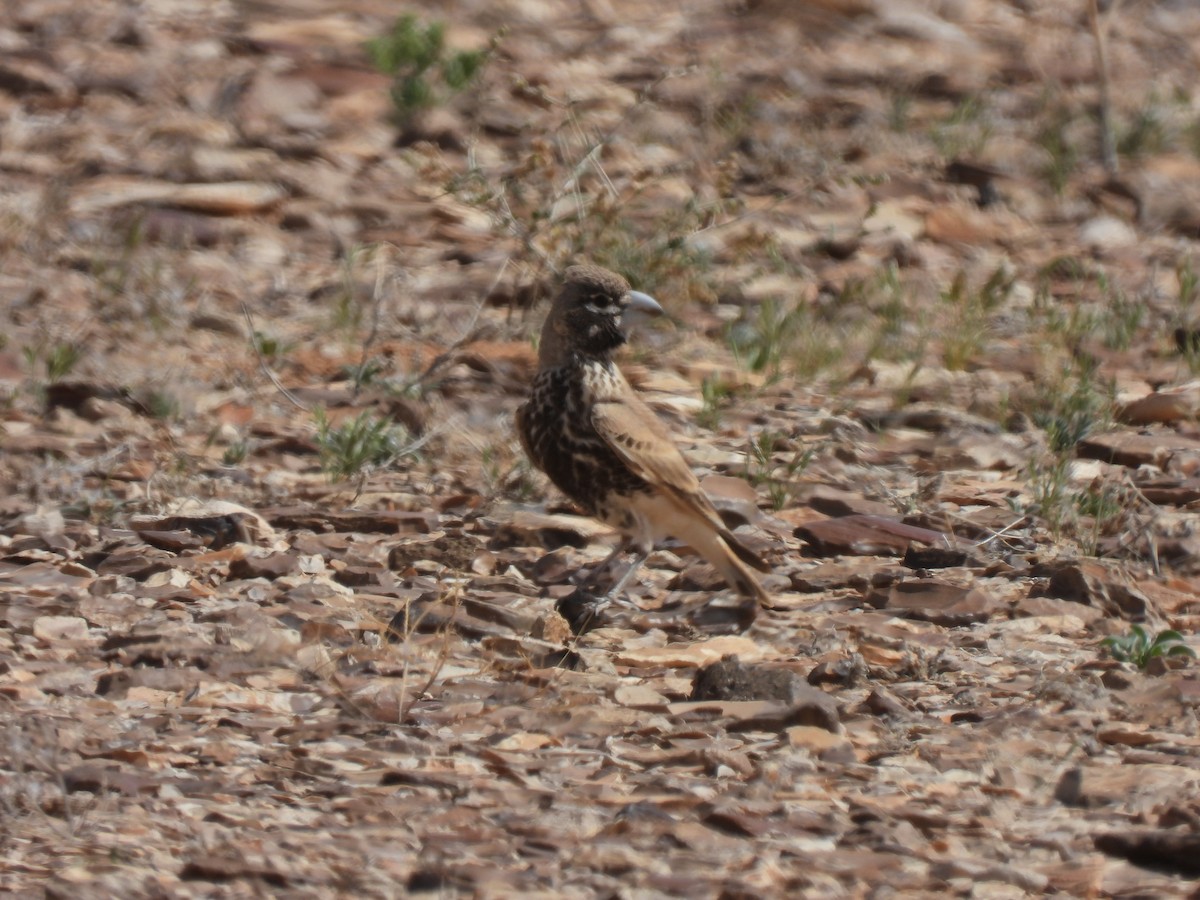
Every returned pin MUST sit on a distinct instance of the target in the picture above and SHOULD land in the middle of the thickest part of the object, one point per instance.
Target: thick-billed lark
(586, 427)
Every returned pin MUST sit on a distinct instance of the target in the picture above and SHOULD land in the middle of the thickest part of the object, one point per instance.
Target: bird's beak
(639, 305)
(643, 303)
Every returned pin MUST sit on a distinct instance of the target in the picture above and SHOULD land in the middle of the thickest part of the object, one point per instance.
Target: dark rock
(883, 703)
(729, 679)
(1174, 850)
(1069, 790)
(582, 610)
(269, 567)
(846, 671)
(864, 536)
(1094, 584)
(934, 557)
(455, 551)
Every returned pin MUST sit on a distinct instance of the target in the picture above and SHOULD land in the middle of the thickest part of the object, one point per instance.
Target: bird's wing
(643, 443)
(519, 420)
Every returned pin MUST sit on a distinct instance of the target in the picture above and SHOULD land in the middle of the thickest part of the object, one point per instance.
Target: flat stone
(943, 604)
(1133, 450)
(864, 536)
(1094, 583)
(60, 628)
(817, 740)
(1107, 233)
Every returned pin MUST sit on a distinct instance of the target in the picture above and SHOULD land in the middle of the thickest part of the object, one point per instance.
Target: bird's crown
(585, 318)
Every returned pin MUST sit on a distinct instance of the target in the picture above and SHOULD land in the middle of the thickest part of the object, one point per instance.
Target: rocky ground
(931, 346)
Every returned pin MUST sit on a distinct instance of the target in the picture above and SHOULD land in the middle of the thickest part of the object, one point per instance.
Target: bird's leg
(622, 547)
(614, 592)
(600, 570)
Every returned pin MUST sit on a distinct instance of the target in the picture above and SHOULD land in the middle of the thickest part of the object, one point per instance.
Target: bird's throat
(602, 379)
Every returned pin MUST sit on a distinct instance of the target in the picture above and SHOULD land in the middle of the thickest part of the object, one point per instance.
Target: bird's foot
(603, 572)
(582, 609)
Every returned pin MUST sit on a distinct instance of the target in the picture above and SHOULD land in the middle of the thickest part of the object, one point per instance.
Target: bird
(587, 428)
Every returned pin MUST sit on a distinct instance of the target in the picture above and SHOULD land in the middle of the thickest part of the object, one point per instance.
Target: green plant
(778, 338)
(1050, 487)
(162, 404)
(1115, 319)
(366, 372)
(1084, 515)
(1099, 510)
(1146, 134)
(115, 275)
(506, 473)
(98, 507)
(650, 260)
(1185, 319)
(1139, 648)
(138, 281)
(734, 116)
(761, 468)
(761, 343)
(423, 72)
(1062, 157)
(968, 315)
(1074, 407)
(1122, 316)
(1189, 284)
(271, 349)
(818, 341)
(895, 322)
(899, 110)
(714, 393)
(348, 309)
(1068, 408)
(362, 442)
(492, 460)
(235, 453)
(817, 348)
(1102, 503)
(57, 360)
(1066, 267)
(965, 131)
(1191, 136)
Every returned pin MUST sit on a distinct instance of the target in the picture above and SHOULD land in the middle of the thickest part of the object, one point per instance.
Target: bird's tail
(729, 556)
(701, 529)
(744, 553)
(740, 576)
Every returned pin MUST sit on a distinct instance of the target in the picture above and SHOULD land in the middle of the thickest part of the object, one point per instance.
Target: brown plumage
(590, 432)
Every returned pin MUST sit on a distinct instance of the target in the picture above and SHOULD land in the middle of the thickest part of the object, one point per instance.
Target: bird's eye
(603, 305)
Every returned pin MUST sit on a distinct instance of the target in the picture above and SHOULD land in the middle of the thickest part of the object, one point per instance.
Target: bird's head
(590, 316)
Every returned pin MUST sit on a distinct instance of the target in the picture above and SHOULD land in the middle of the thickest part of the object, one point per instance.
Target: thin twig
(376, 307)
(455, 596)
(995, 535)
(1108, 148)
(1154, 512)
(527, 234)
(262, 362)
(467, 336)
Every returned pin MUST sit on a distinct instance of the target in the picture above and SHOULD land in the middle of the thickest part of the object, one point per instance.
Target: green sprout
(423, 72)
(1139, 648)
(359, 443)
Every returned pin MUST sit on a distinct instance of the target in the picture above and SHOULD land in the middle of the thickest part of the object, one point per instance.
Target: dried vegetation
(278, 589)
